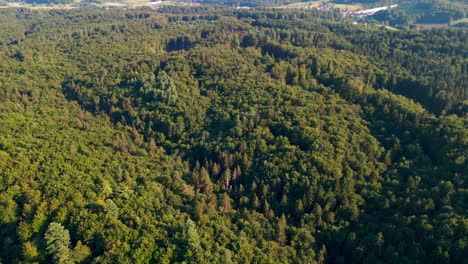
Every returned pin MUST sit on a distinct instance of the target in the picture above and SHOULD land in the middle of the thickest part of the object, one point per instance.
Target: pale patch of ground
(39, 7)
(344, 7)
(302, 4)
(430, 26)
(126, 3)
(322, 5)
(115, 4)
(391, 28)
(463, 20)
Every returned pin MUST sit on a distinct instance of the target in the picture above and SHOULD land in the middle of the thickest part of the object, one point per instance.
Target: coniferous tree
(192, 238)
(58, 243)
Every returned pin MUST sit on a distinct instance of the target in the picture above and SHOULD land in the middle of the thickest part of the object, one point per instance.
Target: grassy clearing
(312, 4)
(110, 3)
(136, 1)
(344, 7)
(391, 28)
(40, 7)
(463, 20)
(303, 4)
(430, 26)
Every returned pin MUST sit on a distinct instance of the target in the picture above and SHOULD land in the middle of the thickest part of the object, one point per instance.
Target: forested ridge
(214, 135)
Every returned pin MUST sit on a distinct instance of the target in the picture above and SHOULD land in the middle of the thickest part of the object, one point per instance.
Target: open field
(126, 3)
(316, 4)
(391, 28)
(344, 7)
(135, 1)
(430, 26)
(40, 7)
(302, 4)
(463, 20)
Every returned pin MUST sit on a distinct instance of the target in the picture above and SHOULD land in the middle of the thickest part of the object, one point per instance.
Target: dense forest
(214, 135)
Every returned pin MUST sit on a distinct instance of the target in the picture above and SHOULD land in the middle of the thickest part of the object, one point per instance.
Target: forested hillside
(212, 135)
(421, 12)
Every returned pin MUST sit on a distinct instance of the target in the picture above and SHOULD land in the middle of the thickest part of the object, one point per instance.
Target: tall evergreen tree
(58, 243)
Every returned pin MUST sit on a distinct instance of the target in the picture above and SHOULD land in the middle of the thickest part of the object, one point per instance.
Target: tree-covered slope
(409, 13)
(214, 135)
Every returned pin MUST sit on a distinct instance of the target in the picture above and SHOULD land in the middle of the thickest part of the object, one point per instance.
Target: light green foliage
(58, 243)
(166, 88)
(111, 208)
(161, 88)
(193, 240)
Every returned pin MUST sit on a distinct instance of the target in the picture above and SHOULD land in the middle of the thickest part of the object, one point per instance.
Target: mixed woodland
(215, 135)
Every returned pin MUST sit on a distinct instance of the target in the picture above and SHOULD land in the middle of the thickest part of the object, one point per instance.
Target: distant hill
(423, 12)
